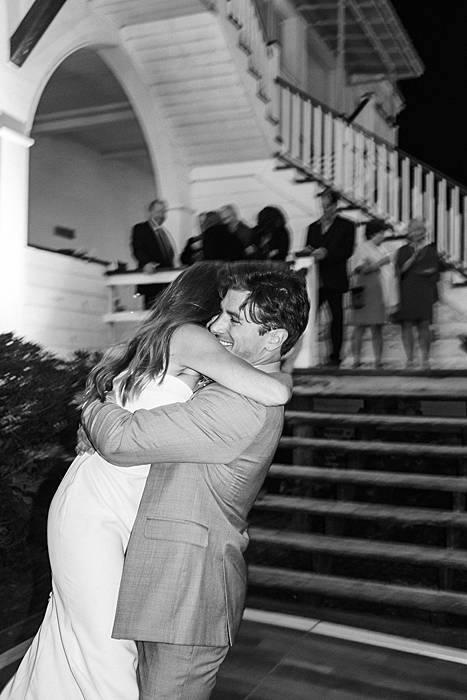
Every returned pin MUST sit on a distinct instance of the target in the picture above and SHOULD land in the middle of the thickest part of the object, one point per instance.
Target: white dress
(73, 656)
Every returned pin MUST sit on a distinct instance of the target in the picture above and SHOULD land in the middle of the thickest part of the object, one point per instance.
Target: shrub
(39, 413)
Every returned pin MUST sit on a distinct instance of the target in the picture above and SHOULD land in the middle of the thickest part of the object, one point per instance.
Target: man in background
(152, 248)
(330, 240)
(237, 228)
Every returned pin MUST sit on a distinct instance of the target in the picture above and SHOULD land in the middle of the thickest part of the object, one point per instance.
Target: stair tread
(393, 386)
(358, 509)
(370, 477)
(417, 596)
(372, 419)
(362, 547)
(416, 448)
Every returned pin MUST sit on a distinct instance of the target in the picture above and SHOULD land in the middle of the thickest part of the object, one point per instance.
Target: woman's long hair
(193, 297)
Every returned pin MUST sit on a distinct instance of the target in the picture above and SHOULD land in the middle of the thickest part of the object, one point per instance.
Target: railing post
(405, 190)
(307, 351)
(429, 212)
(273, 87)
(454, 217)
(441, 239)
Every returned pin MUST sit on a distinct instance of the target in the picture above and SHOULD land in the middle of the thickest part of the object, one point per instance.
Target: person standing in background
(229, 217)
(373, 276)
(152, 248)
(218, 241)
(271, 237)
(418, 265)
(330, 240)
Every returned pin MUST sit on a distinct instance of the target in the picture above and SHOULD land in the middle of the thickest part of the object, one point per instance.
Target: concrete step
(358, 589)
(364, 447)
(366, 420)
(364, 511)
(369, 477)
(359, 548)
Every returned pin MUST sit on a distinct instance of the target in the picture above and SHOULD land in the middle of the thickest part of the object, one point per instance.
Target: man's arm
(138, 246)
(214, 427)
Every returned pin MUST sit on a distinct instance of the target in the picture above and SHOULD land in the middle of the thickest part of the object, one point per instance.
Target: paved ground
(273, 663)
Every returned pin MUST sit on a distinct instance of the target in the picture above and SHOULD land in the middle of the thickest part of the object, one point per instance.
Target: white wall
(73, 186)
(65, 300)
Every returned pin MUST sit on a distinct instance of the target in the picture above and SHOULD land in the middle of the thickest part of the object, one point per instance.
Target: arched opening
(90, 171)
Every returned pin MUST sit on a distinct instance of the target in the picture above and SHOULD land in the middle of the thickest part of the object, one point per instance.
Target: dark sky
(433, 125)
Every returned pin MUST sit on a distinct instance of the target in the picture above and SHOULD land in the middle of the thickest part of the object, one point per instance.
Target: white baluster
(381, 182)
(464, 233)
(417, 190)
(455, 226)
(370, 176)
(339, 136)
(285, 119)
(441, 214)
(359, 147)
(273, 88)
(394, 185)
(318, 139)
(429, 209)
(296, 127)
(405, 190)
(328, 152)
(307, 127)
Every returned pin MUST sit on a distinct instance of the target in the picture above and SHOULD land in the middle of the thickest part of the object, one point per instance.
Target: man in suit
(330, 240)
(184, 581)
(152, 248)
(236, 226)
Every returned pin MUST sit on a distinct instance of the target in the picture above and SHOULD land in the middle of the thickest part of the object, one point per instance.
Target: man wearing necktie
(152, 248)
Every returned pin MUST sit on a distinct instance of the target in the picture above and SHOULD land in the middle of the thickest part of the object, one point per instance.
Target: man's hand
(150, 267)
(319, 253)
(83, 446)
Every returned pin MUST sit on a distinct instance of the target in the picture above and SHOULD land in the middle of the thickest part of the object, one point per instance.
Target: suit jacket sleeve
(313, 232)
(139, 245)
(215, 426)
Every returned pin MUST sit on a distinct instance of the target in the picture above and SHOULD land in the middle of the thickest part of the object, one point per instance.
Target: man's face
(237, 333)
(417, 234)
(328, 205)
(229, 217)
(158, 213)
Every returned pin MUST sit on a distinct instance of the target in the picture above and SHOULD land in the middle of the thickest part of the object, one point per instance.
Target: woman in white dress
(73, 656)
(373, 275)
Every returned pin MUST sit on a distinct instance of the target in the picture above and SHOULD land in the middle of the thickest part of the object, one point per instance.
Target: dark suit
(151, 246)
(338, 241)
(220, 244)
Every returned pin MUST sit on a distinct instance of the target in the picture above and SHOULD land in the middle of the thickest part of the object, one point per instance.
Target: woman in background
(373, 276)
(418, 266)
(271, 237)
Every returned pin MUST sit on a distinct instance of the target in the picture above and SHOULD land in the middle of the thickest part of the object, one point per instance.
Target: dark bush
(39, 412)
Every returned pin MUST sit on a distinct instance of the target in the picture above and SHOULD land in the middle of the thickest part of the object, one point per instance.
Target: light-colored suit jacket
(184, 579)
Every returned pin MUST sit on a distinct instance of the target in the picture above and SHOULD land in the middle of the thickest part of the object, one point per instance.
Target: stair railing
(369, 172)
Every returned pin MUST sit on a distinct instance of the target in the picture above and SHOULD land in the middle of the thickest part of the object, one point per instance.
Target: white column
(306, 352)
(14, 189)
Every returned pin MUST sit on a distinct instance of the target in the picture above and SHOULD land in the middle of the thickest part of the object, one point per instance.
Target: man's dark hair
(277, 296)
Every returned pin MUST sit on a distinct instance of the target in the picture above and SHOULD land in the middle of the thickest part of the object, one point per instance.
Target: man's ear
(276, 338)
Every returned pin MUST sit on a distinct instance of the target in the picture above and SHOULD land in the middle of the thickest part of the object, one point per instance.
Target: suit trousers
(336, 307)
(177, 671)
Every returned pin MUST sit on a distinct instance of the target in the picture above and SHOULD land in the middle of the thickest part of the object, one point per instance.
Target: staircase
(371, 175)
(195, 58)
(364, 508)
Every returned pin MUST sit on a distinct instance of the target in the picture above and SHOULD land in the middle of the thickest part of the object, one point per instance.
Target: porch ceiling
(84, 102)
(375, 40)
